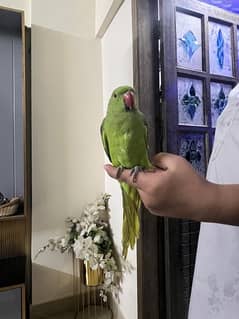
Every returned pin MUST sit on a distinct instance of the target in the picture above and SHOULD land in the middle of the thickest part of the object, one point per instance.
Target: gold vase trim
(93, 277)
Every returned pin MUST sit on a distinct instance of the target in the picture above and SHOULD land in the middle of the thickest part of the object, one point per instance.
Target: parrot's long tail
(131, 225)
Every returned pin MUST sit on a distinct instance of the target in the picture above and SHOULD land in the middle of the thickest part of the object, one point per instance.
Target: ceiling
(230, 5)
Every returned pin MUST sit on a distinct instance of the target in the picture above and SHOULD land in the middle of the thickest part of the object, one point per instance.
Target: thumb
(111, 171)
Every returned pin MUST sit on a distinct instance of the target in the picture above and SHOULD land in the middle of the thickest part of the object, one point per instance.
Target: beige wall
(67, 156)
(117, 57)
(66, 116)
(76, 17)
(67, 111)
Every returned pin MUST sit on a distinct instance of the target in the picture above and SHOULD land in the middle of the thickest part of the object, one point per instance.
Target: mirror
(11, 106)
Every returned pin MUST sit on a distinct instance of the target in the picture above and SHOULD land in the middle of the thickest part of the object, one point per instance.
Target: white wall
(76, 17)
(117, 57)
(66, 115)
(105, 12)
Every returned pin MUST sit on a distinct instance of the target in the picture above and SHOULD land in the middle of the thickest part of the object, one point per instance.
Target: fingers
(124, 176)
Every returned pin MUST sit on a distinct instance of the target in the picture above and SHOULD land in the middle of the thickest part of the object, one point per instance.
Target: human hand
(173, 189)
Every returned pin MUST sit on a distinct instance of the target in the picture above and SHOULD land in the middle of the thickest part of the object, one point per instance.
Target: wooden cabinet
(12, 302)
(15, 155)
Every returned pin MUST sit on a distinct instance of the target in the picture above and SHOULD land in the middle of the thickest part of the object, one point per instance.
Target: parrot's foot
(120, 170)
(135, 171)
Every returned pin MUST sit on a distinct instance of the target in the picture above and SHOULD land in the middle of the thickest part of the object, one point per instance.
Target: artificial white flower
(109, 277)
(102, 264)
(63, 242)
(103, 295)
(93, 261)
(98, 239)
(83, 224)
(101, 207)
(83, 233)
(92, 227)
(82, 246)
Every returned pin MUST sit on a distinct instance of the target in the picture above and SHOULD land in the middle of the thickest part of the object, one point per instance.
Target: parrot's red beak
(129, 101)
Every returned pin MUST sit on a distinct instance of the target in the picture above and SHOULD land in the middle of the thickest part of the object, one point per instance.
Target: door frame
(150, 246)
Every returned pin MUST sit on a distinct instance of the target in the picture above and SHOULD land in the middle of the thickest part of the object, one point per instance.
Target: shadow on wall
(116, 309)
(50, 282)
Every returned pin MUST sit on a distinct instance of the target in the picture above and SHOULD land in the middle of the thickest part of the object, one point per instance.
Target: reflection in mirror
(11, 105)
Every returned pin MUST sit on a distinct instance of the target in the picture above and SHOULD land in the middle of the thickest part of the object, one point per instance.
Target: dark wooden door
(199, 61)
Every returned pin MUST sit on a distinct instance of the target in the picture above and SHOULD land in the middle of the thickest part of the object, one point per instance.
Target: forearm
(221, 204)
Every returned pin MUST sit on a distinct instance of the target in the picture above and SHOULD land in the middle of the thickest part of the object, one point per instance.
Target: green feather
(131, 225)
(124, 137)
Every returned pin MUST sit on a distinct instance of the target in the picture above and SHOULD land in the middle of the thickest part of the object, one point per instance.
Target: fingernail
(107, 166)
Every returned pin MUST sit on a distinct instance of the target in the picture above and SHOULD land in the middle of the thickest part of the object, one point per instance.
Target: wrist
(210, 206)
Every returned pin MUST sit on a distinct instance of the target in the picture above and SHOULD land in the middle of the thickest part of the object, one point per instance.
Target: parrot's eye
(115, 95)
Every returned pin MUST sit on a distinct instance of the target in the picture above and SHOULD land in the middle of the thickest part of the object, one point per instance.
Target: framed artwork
(219, 99)
(192, 148)
(190, 101)
(189, 41)
(220, 49)
(12, 302)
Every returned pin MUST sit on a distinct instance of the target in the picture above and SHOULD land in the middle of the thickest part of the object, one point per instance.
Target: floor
(66, 315)
(91, 313)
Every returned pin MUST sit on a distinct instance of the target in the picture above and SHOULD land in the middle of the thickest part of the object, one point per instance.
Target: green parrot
(124, 137)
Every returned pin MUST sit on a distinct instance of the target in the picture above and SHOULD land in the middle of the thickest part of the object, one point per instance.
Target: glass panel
(190, 101)
(219, 98)
(192, 148)
(11, 304)
(238, 49)
(220, 49)
(213, 139)
(11, 109)
(189, 39)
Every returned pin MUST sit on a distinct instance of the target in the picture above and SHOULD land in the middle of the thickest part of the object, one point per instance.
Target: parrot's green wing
(131, 224)
(105, 140)
(146, 130)
(146, 136)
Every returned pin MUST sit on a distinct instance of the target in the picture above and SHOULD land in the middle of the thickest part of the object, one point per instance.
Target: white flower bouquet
(89, 238)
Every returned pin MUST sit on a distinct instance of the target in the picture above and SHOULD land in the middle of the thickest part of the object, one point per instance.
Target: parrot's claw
(135, 171)
(120, 170)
